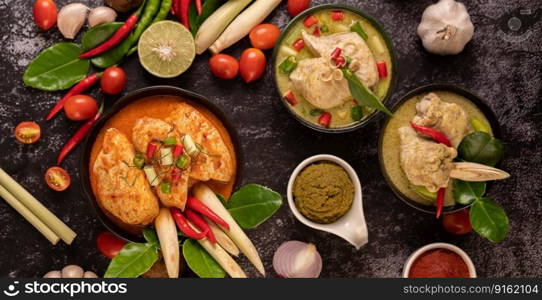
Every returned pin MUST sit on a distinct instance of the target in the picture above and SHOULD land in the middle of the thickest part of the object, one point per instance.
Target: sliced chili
(196, 205)
(309, 21)
(435, 135)
(382, 69)
(77, 89)
(198, 7)
(151, 149)
(299, 45)
(440, 201)
(290, 97)
(337, 15)
(184, 227)
(200, 223)
(316, 31)
(182, 13)
(177, 150)
(324, 119)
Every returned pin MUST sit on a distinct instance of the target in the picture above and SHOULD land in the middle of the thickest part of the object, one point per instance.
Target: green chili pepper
(171, 141)
(288, 65)
(162, 14)
(139, 160)
(316, 112)
(356, 113)
(151, 8)
(359, 30)
(165, 187)
(324, 28)
(183, 161)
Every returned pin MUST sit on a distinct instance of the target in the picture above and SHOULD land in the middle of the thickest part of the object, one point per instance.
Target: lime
(166, 49)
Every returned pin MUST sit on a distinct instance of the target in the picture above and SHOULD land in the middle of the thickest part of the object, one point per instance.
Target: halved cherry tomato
(27, 132)
(57, 178)
(457, 223)
(113, 80)
(45, 14)
(80, 107)
(224, 66)
(264, 36)
(109, 244)
(297, 6)
(252, 64)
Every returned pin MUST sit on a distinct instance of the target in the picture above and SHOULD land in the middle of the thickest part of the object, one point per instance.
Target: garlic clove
(71, 18)
(72, 271)
(101, 15)
(53, 274)
(89, 274)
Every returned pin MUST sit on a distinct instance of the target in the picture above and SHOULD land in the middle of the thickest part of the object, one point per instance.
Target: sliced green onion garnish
(151, 175)
(165, 187)
(324, 28)
(183, 161)
(170, 141)
(288, 65)
(356, 113)
(139, 160)
(167, 157)
(359, 30)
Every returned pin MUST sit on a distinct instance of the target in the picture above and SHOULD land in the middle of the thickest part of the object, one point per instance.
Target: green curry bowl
(323, 57)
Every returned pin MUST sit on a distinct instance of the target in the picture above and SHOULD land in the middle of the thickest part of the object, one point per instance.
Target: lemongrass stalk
(29, 216)
(237, 235)
(169, 241)
(242, 25)
(215, 24)
(223, 239)
(45, 215)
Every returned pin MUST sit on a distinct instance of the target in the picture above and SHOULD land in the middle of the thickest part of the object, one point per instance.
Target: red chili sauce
(439, 263)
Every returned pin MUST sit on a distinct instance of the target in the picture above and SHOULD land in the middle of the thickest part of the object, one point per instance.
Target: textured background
(500, 65)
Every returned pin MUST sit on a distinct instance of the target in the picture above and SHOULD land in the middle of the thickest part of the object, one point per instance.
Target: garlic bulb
(71, 18)
(101, 15)
(445, 28)
(70, 271)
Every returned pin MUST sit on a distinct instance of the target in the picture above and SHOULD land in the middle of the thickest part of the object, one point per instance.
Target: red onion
(295, 259)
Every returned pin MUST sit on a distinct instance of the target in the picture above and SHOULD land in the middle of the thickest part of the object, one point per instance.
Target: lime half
(166, 49)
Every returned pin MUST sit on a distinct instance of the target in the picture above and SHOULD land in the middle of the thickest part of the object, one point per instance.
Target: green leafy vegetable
(253, 204)
(57, 68)
(481, 148)
(132, 261)
(208, 7)
(361, 93)
(99, 34)
(466, 192)
(356, 113)
(489, 220)
(200, 261)
(151, 237)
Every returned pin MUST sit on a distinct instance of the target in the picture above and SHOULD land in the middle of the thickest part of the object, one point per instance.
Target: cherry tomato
(264, 36)
(113, 80)
(224, 66)
(57, 178)
(109, 244)
(28, 132)
(80, 107)
(252, 64)
(297, 6)
(457, 223)
(45, 14)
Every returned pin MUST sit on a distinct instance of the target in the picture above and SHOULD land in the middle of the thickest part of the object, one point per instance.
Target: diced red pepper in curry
(290, 97)
(324, 119)
(299, 45)
(382, 69)
(309, 21)
(337, 15)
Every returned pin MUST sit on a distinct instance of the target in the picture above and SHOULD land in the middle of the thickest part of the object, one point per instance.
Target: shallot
(71, 18)
(295, 259)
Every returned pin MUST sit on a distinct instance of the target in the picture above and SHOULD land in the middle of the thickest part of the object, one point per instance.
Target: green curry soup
(342, 115)
(390, 143)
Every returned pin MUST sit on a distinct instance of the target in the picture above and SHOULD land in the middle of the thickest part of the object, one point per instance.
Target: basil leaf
(151, 237)
(132, 261)
(99, 34)
(489, 220)
(466, 192)
(200, 262)
(221, 198)
(253, 204)
(208, 7)
(114, 55)
(361, 93)
(480, 147)
(56, 68)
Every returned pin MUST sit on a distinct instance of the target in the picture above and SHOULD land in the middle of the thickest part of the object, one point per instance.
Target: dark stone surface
(501, 66)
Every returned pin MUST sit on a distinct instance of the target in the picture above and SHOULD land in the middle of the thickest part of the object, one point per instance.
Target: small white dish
(351, 226)
(446, 246)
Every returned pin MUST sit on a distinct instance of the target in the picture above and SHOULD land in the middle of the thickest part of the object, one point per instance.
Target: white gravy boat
(351, 226)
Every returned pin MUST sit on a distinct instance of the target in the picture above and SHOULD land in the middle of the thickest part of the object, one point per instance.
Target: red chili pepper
(178, 150)
(198, 7)
(174, 7)
(151, 148)
(290, 97)
(337, 15)
(382, 69)
(340, 61)
(117, 37)
(184, 227)
(440, 201)
(316, 31)
(336, 53)
(435, 135)
(200, 223)
(182, 13)
(309, 21)
(78, 136)
(77, 89)
(196, 205)
(324, 119)
(299, 44)
(175, 175)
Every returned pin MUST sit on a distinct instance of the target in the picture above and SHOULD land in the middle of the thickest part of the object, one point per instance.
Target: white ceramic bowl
(351, 226)
(450, 247)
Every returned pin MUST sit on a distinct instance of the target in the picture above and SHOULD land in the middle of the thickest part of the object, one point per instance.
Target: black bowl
(389, 44)
(481, 104)
(121, 103)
